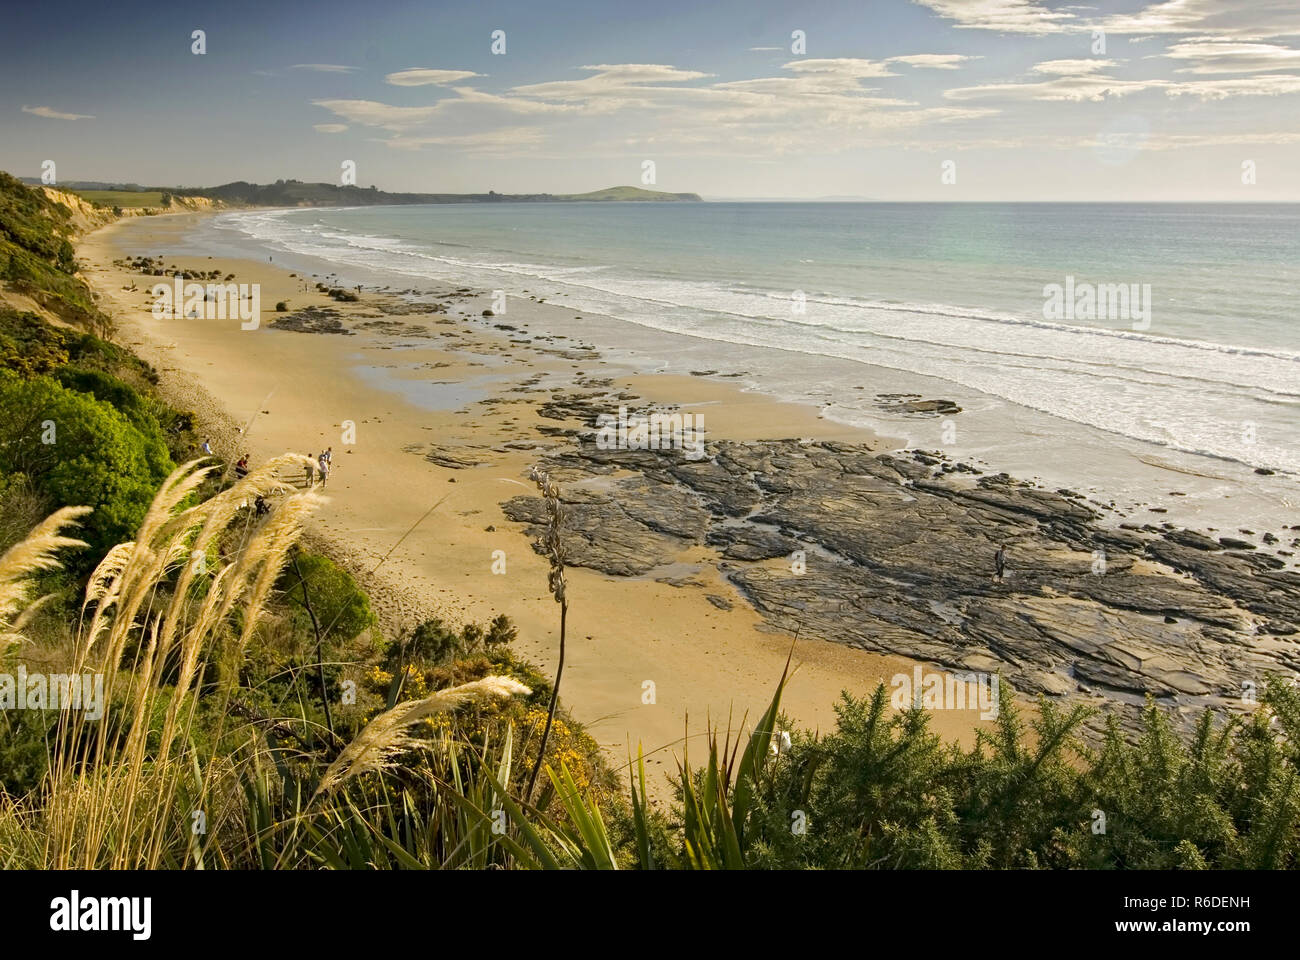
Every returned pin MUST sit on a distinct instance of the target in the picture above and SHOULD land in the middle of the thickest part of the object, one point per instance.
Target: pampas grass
(157, 616)
(390, 733)
(166, 621)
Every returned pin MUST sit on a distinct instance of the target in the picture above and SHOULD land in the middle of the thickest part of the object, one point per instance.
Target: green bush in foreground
(79, 451)
(884, 792)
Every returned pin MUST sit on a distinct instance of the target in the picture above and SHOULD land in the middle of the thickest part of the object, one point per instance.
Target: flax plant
(553, 546)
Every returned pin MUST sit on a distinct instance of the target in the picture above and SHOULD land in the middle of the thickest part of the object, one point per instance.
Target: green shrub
(79, 451)
(341, 608)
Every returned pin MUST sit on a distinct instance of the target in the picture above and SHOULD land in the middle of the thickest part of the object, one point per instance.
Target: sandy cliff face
(86, 216)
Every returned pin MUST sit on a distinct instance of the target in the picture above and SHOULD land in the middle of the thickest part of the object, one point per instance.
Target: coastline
(294, 390)
(1035, 438)
(680, 574)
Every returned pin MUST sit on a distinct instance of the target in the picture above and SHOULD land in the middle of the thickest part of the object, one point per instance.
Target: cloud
(1186, 140)
(934, 61)
(626, 82)
(490, 141)
(1225, 56)
(329, 127)
(52, 114)
(372, 113)
(1265, 86)
(843, 68)
(1239, 19)
(1072, 88)
(822, 102)
(1006, 16)
(425, 76)
(1097, 87)
(323, 68)
(1244, 19)
(1072, 68)
(818, 106)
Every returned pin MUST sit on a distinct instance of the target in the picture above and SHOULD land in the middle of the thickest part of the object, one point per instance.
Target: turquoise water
(954, 292)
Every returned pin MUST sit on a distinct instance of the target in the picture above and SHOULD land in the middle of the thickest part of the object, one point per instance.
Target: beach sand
(456, 383)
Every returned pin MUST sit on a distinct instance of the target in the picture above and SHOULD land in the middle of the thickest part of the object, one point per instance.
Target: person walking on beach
(310, 471)
(1000, 563)
(324, 461)
(241, 467)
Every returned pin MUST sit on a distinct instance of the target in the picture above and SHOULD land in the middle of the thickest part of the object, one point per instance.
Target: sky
(948, 100)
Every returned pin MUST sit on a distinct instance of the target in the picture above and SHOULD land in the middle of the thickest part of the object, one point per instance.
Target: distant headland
(296, 193)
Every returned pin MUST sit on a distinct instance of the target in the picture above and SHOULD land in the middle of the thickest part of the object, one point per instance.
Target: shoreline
(1130, 479)
(678, 577)
(295, 389)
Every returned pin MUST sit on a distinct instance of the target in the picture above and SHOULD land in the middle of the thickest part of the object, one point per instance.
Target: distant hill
(626, 193)
(295, 193)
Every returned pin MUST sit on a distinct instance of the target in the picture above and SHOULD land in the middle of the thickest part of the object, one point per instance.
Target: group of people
(323, 464)
(320, 464)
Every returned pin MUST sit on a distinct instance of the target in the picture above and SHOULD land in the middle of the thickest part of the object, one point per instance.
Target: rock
(1190, 538)
(927, 407)
(900, 563)
(749, 542)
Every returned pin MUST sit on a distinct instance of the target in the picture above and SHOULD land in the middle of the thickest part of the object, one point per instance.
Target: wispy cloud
(1088, 85)
(492, 141)
(1006, 16)
(324, 68)
(1238, 19)
(423, 76)
(934, 61)
(1072, 68)
(1242, 19)
(1225, 56)
(51, 114)
(372, 113)
(329, 127)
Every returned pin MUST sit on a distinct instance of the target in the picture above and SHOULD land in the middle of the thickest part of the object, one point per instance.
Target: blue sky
(1016, 99)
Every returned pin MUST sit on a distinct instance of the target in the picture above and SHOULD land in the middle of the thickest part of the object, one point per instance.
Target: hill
(626, 194)
(296, 193)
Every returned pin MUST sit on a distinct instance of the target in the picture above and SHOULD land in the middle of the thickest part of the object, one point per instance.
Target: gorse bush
(883, 791)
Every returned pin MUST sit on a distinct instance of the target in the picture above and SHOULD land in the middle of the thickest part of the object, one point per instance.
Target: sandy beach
(453, 385)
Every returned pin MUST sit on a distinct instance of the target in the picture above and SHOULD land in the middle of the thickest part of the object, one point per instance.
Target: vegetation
(36, 257)
(73, 448)
(124, 198)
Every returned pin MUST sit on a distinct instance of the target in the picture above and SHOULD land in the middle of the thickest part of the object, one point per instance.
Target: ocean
(1206, 361)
